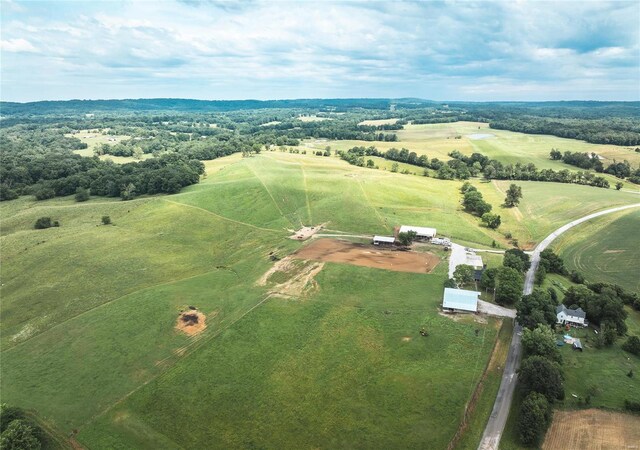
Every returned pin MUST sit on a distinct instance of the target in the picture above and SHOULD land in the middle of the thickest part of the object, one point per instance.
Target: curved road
(498, 419)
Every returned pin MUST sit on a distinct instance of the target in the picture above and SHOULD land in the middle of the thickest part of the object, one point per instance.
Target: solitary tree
(508, 286)
(619, 185)
(106, 220)
(514, 194)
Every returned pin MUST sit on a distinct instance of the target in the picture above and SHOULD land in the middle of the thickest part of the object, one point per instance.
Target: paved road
(498, 419)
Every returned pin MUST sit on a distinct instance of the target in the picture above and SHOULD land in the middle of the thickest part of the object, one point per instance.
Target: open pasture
(438, 140)
(605, 249)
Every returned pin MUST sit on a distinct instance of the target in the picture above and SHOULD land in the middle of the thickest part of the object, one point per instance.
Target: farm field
(592, 429)
(605, 249)
(113, 294)
(438, 140)
(325, 346)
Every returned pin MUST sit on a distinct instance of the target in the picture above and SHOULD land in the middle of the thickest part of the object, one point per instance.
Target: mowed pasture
(605, 249)
(438, 140)
(89, 315)
(592, 429)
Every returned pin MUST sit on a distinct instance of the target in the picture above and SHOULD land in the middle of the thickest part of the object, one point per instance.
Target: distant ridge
(76, 107)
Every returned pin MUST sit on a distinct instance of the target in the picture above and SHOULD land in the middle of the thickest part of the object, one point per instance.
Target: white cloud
(17, 45)
(268, 49)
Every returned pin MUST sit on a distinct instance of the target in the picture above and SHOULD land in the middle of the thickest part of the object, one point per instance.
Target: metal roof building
(421, 232)
(377, 240)
(459, 299)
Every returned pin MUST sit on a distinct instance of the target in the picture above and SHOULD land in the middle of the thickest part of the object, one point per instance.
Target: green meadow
(605, 249)
(89, 311)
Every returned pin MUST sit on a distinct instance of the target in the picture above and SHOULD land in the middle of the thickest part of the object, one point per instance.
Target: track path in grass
(222, 217)
(495, 426)
(270, 194)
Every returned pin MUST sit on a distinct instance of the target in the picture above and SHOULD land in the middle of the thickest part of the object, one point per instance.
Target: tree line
(592, 161)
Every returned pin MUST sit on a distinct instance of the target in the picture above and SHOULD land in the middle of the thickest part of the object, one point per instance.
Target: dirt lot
(592, 429)
(191, 322)
(334, 250)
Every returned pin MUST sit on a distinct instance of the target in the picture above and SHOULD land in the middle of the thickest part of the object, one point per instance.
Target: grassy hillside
(438, 140)
(605, 249)
(88, 338)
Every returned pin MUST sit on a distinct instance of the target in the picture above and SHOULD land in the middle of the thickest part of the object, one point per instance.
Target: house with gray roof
(573, 317)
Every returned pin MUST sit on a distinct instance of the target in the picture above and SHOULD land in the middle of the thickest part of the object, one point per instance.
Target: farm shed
(421, 232)
(383, 240)
(574, 317)
(460, 300)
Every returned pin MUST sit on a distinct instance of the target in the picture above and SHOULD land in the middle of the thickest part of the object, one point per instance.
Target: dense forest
(38, 140)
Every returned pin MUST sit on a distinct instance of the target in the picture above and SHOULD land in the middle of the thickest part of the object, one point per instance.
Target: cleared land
(437, 140)
(93, 138)
(339, 365)
(346, 367)
(376, 122)
(606, 250)
(340, 251)
(592, 429)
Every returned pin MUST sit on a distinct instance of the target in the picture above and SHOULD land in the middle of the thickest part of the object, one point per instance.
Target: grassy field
(605, 249)
(438, 140)
(88, 339)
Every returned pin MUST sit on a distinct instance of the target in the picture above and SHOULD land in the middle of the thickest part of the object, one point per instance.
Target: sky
(438, 50)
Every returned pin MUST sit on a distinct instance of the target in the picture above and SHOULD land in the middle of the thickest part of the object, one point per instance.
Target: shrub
(44, 193)
(19, 436)
(82, 194)
(43, 222)
(106, 220)
(632, 345)
(631, 405)
(7, 193)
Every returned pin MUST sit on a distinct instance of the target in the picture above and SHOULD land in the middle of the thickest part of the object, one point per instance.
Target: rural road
(500, 413)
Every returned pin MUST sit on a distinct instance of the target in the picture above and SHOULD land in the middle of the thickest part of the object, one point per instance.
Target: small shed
(383, 240)
(421, 232)
(460, 300)
(577, 345)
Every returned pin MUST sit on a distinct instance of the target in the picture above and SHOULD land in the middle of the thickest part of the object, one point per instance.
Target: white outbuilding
(421, 232)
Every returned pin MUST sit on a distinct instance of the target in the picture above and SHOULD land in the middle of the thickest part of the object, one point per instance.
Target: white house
(421, 232)
(574, 317)
(460, 300)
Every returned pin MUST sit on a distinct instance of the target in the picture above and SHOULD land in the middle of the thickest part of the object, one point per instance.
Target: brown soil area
(334, 250)
(592, 429)
(191, 322)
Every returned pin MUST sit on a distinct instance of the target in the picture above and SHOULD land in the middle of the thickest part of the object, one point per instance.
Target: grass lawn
(605, 249)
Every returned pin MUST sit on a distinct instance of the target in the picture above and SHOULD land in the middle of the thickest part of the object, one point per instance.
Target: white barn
(421, 232)
(575, 317)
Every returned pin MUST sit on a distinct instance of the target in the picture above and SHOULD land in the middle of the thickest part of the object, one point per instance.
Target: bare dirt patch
(592, 429)
(291, 278)
(406, 338)
(305, 233)
(339, 251)
(614, 251)
(191, 322)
